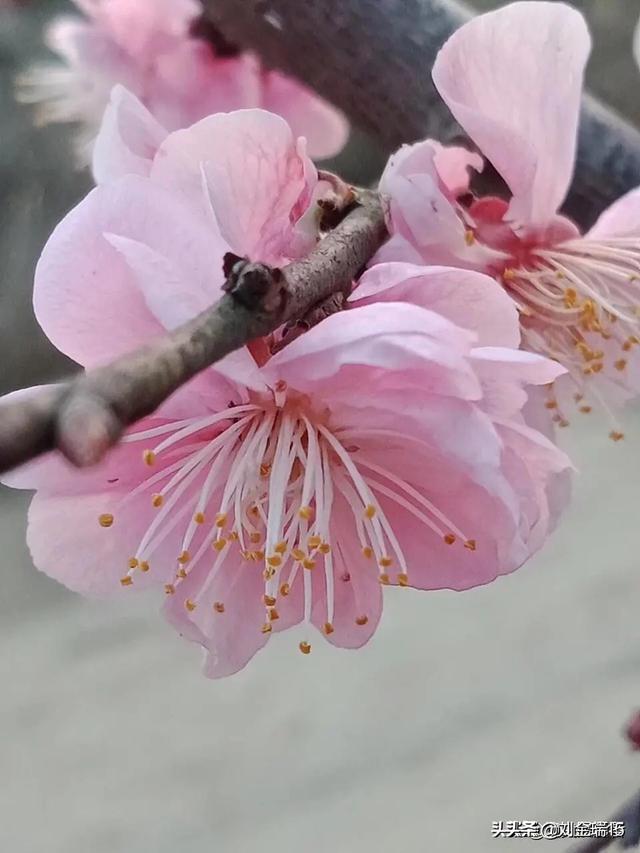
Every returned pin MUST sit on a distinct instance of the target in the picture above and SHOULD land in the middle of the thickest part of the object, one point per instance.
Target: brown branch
(373, 59)
(86, 416)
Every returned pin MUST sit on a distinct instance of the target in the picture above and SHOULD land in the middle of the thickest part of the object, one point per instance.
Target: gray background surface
(502, 703)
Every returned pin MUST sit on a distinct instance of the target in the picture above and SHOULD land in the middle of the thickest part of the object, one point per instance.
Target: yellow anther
(105, 520)
(275, 560)
(563, 424)
(157, 500)
(190, 605)
(385, 562)
(267, 574)
(221, 519)
(614, 435)
(127, 580)
(470, 544)
(597, 367)
(218, 607)
(184, 558)
(265, 469)
(305, 647)
(281, 547)
(370, 511)
(508, 275)
(269, 600)
(325, 548)
(328, 628)
(403, 579)
(384, 578)
(285, 589)
(199, 518)
(570, 297)
(362, 620)
(218, 544)
(255, 538)
(144, 566)
(182, 574)
(367, 552)
(586, 410)
(308, 563)
(469, 237)
(169, 589)
(449, 538)
(305, 512)
(298, 555)
(266, 628)
(620, 364)
(258, 556)
(551, 404)
(273, 614)
(314, 541)
(149, 457)
(233, 536)
(133, 563)
(254, 510)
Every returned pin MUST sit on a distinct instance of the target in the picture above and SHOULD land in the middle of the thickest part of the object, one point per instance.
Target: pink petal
(248, 170)
(505, 373)
(308, 115)
(232, 637)
(534, 465)
(357, 591)
(128, 139)
(487, 515)
(468, 299)
(621, 219)
(86, 296)
(421, 210)
(513, 79)
(67, 542)
(363, 341)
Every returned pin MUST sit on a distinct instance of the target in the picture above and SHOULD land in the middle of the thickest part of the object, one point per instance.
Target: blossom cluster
(405, 441)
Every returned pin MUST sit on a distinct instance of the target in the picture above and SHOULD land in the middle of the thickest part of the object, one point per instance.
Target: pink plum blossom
(385, 446)
(513, 80)
(178, 67)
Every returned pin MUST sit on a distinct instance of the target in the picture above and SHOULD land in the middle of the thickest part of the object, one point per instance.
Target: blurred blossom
(175, 62)
(282, 486)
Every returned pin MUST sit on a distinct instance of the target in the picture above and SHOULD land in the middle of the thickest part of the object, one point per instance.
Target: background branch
(86, 416)
(372, 58)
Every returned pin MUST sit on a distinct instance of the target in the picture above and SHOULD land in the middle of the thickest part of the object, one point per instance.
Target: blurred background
(500, 703)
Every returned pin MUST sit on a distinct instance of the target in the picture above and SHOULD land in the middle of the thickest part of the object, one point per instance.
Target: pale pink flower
(384, 446)
(156, 49)
(513, 80)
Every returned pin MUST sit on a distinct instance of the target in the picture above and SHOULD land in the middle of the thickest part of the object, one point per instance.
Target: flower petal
(395, 338)
(128, 138)
(86, 296)
(308, 115)
(247, 170)
(620, 219)
(513, 79)
(469, 299)
(233, 636)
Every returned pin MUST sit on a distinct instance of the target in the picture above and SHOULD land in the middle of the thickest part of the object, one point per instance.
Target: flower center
(579, 303)
(267, 484)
